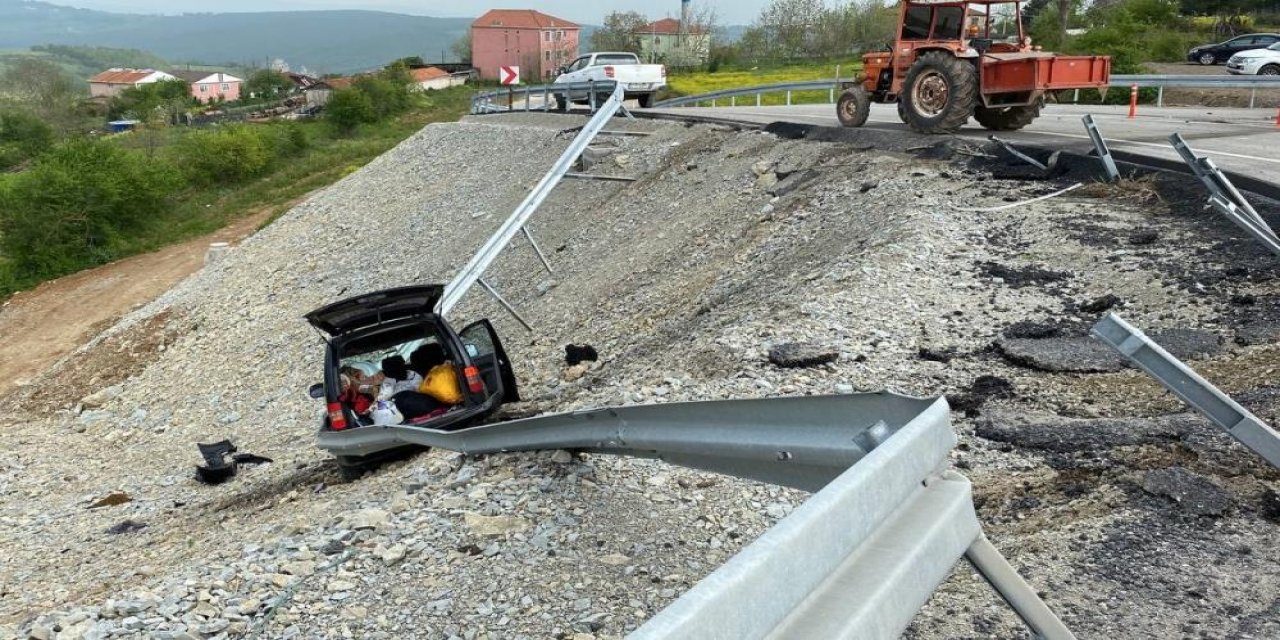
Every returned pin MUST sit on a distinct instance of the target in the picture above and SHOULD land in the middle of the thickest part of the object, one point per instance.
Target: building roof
(521, 19)
(217, 78)
(428, 73)
(338, 83)
(666, 26)
(122, 76)
(302, 80)
(188, 75)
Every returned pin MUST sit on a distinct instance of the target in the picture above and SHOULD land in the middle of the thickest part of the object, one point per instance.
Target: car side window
(1265, 40)
(1240, 42)
(578, 64)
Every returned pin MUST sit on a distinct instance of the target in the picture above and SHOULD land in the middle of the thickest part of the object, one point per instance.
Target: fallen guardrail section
(857, 560)
(1225, 197)
(834, 86)
(518, 222)
(1192, 389)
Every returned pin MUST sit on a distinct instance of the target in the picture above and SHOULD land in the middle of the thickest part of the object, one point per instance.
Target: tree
(163, 101)
(268, 82)
(412, 62)
(347, 109)
(461, 48)
(42, 87)
(621, 32)
(23, 136)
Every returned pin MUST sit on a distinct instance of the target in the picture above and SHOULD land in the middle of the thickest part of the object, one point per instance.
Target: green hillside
(83, 62)
(322, 41)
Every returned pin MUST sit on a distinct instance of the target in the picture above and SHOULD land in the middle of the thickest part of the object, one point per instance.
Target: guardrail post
(1100, 144)
(788, 97)
(758, 98)
(733, 101)
(546, 98)
(591, 88)
(1160, 96)
(1075, 99)
(1253, 95)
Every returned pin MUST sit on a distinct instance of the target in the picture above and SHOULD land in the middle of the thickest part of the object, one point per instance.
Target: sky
(729, 12)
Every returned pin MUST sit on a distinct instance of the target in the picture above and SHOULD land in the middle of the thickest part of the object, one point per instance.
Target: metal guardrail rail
(474, 271)
(834, 85)
(491, 101)
(857, 560)
(1190, 387)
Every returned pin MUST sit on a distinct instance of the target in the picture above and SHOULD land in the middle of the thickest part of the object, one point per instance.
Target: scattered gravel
(683, 282)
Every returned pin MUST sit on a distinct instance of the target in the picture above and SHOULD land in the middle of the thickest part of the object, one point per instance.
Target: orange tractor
(952, 60)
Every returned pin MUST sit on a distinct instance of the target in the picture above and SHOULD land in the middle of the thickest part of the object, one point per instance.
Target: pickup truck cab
(643, 81)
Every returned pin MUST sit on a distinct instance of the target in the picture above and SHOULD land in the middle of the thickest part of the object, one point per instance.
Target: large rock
(1193, 493)
(494, 525)
(802, 354)
(368, 519)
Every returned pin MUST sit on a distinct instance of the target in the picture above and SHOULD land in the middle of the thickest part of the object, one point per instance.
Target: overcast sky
(590, 11)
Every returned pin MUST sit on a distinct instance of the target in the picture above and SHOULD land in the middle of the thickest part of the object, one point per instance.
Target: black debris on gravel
(793, 355)
(1144, 237)
(575, 354)
(1019, 277)
(971, 399)
(1270, 506)
(944, 355)
(1257, 333)
(1100, 305)
(1082, 354)
(127, 526)
(1191, 492)
(1052, 433)
(1033, 329)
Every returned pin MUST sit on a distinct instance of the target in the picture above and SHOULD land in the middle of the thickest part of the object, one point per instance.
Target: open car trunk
(373, 309)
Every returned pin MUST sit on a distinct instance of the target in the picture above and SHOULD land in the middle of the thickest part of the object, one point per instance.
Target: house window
(546, 35)
(226, 87)
(204, 88)
(559, 35)
(548, 56)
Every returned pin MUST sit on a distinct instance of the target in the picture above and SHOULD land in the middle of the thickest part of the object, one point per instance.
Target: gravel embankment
(1132, 523)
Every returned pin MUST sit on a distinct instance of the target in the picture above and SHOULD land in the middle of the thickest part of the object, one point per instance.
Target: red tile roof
(521, 19)
(429, 73)
(339, 83)
(121, 76)
(665, 25)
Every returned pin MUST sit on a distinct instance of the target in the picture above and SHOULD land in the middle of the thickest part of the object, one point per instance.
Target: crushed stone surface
(683, 281)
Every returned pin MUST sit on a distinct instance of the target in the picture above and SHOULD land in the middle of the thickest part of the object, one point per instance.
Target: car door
(486, 353)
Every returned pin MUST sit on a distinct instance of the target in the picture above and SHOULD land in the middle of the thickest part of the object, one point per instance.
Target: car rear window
(616, 59)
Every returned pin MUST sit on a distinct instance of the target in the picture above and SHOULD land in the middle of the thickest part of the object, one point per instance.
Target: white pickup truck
(643, 81)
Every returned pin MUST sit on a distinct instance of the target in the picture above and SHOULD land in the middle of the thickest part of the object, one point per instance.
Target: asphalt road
(1245, 141)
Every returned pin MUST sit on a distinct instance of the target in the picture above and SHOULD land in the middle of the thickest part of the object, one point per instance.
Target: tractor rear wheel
(939, 93)
(854, 107)
(902, 112)
(1006, 118)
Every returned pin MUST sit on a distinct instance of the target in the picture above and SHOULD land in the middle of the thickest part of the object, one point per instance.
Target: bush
(226, 154)
(348, 109)
(78, 207)
(23, 136)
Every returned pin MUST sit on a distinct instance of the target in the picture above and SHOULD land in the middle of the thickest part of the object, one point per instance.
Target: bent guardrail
(857, 560)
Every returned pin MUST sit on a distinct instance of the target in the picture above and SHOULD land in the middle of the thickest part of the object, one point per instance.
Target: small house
(428, 78)
(112, 82)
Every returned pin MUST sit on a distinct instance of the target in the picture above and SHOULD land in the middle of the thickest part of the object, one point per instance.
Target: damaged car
(380, 345)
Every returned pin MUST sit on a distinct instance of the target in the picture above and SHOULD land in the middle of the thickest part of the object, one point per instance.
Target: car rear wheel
(1208, 59)
(940, 93)
(562, 104)
(854, 107)
(1269, 70)
(646, 100)
(1006, 118)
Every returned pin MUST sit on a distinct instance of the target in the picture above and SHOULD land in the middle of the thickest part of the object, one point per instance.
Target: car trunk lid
(379, 307)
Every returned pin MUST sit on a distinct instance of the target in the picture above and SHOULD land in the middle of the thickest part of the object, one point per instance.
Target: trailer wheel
(1006, 118)
(647, 99)
(940, 93)
(854, 107)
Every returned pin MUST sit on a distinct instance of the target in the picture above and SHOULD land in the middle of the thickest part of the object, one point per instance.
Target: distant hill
(322, 41)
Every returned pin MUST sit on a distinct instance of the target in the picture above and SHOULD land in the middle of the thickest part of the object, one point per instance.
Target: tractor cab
(954, 60)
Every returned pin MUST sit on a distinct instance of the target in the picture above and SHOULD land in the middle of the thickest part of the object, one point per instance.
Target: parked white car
(643, 81)
(1256, 62)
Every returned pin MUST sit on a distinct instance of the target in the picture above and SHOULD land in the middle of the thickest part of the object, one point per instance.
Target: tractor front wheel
(1006, 118)
(854, 107)
(939, 93)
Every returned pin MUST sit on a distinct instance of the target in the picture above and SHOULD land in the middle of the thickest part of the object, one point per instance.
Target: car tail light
(337, 417)
(608, 72)
(474, 383)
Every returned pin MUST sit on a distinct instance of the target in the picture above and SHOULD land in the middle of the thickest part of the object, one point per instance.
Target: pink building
(214, 86)
(537, 43)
